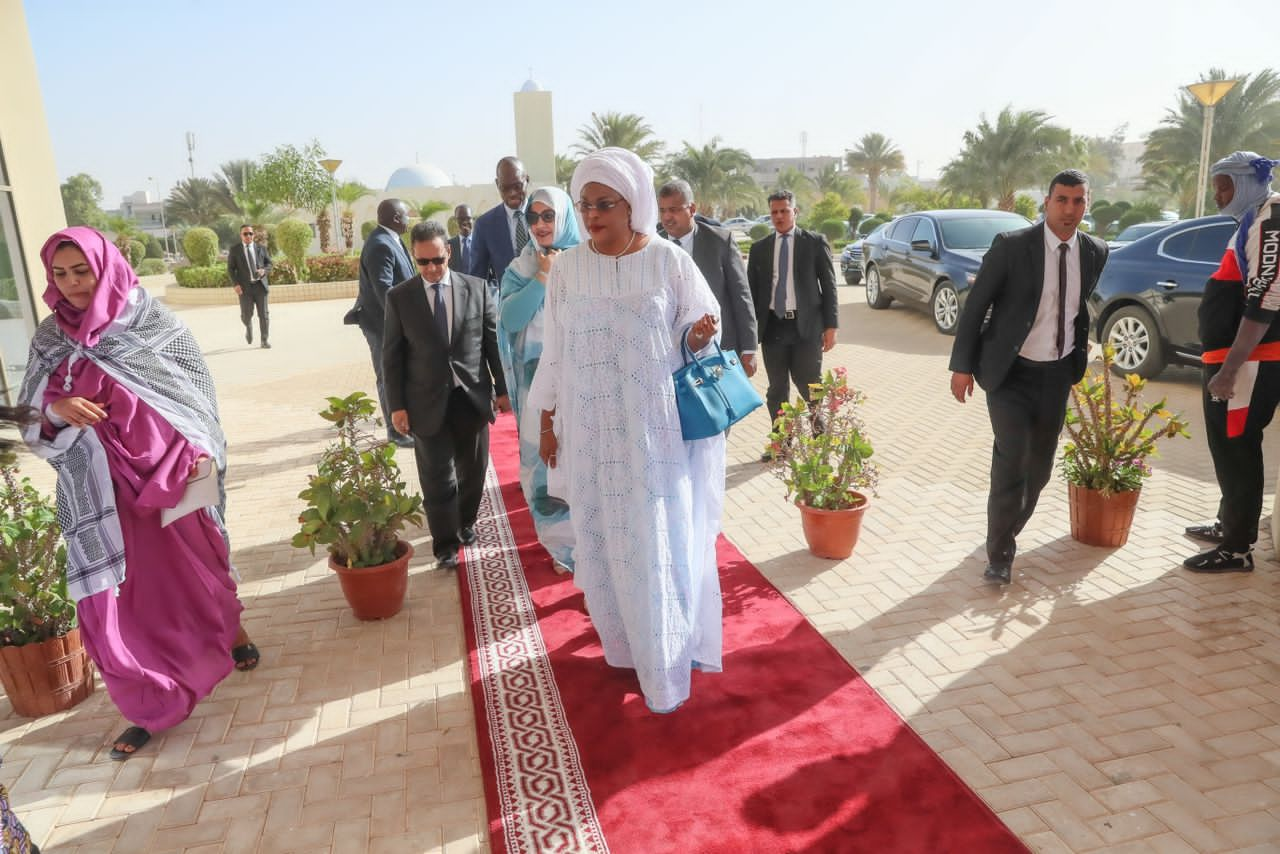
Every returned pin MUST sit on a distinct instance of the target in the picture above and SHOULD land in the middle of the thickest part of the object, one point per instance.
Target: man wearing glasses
(501, 232)
(248, 265)
(443, 379)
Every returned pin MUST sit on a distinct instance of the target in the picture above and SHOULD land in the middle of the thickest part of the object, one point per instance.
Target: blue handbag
(712, 393)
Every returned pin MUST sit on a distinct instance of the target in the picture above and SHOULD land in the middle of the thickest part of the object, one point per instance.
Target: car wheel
(875, 297)
(946, 308)
(852, 278)
(1133, 334)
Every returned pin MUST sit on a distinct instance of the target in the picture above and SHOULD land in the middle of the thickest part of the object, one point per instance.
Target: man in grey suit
(384, 262)
(793, 284)
(1028, 353)
(444, 378)
(716, 254)
(248, 265)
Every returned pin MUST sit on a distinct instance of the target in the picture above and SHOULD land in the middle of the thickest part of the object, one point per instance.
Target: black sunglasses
(246, 234)
(604, 205)
(426, 262)
(532, 217)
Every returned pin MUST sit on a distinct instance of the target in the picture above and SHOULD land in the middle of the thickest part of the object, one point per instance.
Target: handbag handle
(689, 355)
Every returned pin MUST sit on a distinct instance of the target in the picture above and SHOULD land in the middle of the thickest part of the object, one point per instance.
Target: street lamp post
(331, 166)
(1208, 93)
(164, 228)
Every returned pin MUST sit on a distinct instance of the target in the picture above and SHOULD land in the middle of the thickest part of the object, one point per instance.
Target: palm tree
(830, 180)
(1020, 150)
(350, 192)
(564, 170)
(1175, 181)
(624, 130)
(800, 185)
(876, 155)
(199, 201)
(720, 177)
(1247, 118)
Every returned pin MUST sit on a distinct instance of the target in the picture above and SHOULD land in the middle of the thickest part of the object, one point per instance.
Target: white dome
(418, 175)
(531, 85)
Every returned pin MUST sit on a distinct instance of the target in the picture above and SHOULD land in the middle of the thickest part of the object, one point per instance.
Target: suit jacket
(384, 262)
(814, 283)
(418, 367)
(455, 253)
(238, 268)
(1009, 283)
(492, 247)
(717, 256)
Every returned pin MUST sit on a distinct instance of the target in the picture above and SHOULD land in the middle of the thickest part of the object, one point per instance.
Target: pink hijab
(115, 279)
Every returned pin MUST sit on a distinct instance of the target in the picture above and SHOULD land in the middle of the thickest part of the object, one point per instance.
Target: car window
(924, 231)
(903, 228)
(1204, 244)
(977, 232)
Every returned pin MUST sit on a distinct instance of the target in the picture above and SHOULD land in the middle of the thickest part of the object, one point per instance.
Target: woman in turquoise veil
(553, 226)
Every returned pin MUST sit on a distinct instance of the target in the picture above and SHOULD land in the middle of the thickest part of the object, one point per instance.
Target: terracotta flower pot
(1101, 520)
(47, 677)
(376, 592)
(832, 533)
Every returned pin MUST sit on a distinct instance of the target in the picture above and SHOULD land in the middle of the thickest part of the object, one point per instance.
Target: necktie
(522, 231)
(248, 257)
(1062, 299)
(466, 253)
(784, 267)
(441, 313)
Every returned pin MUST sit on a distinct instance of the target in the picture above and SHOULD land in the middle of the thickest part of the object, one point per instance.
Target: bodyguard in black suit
(248, 265)
(718, 259)
(794, 288)
(460, 246)
(1034, 348)
(443, 378)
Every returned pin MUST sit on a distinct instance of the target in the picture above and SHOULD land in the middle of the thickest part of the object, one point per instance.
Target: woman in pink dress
(129, 416)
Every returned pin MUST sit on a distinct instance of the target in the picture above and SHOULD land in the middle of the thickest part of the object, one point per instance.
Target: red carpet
(787, 750)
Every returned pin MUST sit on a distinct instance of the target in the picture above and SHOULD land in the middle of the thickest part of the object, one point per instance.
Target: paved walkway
(1106, 700)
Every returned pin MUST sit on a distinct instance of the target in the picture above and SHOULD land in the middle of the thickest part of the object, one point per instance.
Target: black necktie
(1062, 299)
(441, 313)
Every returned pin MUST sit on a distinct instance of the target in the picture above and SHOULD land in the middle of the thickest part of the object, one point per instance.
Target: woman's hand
(544, 263)
(547, 447)
(78, 412)
(702, 331)
(195, 467)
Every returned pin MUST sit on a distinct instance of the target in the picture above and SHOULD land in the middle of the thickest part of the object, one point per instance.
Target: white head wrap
(623, 171)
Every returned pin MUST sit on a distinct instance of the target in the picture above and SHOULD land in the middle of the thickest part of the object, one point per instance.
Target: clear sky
(384, 83)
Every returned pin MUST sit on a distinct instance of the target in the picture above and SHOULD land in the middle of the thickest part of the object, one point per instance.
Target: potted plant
(43, 664)
(357, 506)
(1112, 435)
(821, 452)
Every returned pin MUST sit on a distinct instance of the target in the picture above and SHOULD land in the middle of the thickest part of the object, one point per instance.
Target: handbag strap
(689, 355)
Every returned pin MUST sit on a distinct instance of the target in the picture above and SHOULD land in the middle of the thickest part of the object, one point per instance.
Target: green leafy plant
(820, 449)
(283, 272)
(759, 231)
(357, 504)
(202, 277)
(295, 237)
(1112, 435)
(334, 268)
(201, 246)
(34, 605)
(152, 267)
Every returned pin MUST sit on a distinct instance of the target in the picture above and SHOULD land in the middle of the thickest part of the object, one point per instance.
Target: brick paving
(1107, 700)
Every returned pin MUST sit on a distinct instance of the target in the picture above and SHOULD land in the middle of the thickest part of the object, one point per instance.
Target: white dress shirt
(791, 268)
(1041, 344)
(686, 242)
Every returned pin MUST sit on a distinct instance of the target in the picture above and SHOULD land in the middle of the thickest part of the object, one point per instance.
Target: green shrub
(152, 267)
(203, 277)
(833, 229)
(154, 249)
(137, 251)
(283, 272)
(759, 231)
(366, 228)
(295, 238)
(201, 246)
(333, 268)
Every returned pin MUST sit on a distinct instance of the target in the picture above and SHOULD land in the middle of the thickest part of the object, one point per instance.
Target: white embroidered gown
(646, 504)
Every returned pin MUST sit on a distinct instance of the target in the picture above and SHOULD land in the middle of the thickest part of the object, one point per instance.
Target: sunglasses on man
(427, 262)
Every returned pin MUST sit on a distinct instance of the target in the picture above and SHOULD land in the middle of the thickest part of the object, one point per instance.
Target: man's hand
(502, 403)
(828, 339)
(1222, 385)
(239, 290)
(78, 412)
(400, 421)
(961, 386)
(749, 364)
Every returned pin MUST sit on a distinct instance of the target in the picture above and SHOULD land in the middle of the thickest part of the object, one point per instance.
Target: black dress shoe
(1220, 560)
(401, 441)
(998, 574)
(766, 457)
(1208, 533)
(266, 346)
(467, 535)
(449, 561)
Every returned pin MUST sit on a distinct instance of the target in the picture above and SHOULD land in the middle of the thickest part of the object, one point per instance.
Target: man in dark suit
(384, 262)
(794, 289)
(501, 232)
(716, 254)
(460, 246)
(443, 378)
(1028, 355)
(248, 265)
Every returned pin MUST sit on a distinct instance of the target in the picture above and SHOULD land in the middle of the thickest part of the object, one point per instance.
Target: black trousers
(451, 468)
(1027, 412)
(1238, 461)
(374, 340)
(789, 360)
(251, 297)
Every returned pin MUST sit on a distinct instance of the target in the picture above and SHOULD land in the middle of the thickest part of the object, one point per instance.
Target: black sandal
(246, 657)
(134, 738)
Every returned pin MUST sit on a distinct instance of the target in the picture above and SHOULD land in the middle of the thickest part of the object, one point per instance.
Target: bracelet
(549, 430)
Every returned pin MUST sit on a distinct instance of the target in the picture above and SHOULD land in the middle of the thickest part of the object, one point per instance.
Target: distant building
(767, 169)
(143, 211)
